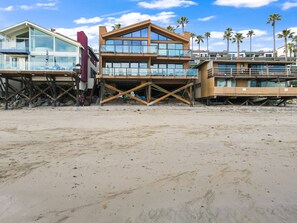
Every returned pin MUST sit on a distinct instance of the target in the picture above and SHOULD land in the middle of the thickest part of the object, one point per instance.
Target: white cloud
(206, 18)
(244, 3)
(166, 4)
(257, 32)
(216, 35)
(125, 19)
(218, 44)
(288, 5)
(50, 5)
(7, 9)
(83, 20)
(134, 17)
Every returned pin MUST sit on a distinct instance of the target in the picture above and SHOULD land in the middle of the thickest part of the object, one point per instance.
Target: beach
(138, 164)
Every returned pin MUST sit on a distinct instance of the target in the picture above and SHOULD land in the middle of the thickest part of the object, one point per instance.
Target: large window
(143, 33)
(62, 46)
(22, 41)
(64, 63)
(41, 41)
(225, 83)
(156, 36)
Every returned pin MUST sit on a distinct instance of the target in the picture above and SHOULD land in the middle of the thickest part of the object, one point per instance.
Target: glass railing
(149, 72)
(127, 49)
(174, 53)
(20, 45)
(22, 65)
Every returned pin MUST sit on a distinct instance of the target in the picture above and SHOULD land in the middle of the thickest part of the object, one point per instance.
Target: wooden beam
(121, 93)
(172, 94)
(129, 95)
(149, 93)
(6, 93)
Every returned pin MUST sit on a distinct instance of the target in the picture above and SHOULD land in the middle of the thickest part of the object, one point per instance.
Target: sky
(214, 16)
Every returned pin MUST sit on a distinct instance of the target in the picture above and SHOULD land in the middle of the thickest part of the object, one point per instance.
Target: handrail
(130, 49)
(149, 72)
(269, 71)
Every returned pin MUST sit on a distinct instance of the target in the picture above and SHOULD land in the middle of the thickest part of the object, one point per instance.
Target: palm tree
(183, 21)
(294, 39)
(199, 40)
(238, 38)
(192, 35)
(286, 33)
(207, 35)
(116, 26)
(171, 28)
(291, 49)
(227, 36)
(250, 35)
(272, 19)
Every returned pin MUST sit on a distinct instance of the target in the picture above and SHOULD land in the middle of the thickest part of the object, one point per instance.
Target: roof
(21, 25)
(145, 24)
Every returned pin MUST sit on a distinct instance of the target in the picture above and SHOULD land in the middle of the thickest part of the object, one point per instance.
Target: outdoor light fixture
(77, 69)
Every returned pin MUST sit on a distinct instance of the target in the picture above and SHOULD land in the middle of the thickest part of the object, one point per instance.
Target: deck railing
(128, 49)
(149, 72)
(252, 72)
(23, 66)
(22, 44)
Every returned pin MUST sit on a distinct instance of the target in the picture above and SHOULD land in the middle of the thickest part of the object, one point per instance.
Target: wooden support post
(30, 91)
(6, 93)
(148, 93)
(191, 95)
(77, 90)
(54, 86)
(102, 92)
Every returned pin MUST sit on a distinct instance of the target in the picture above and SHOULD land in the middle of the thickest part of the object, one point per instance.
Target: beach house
(246, 81)
(35, 62)
(146, 63)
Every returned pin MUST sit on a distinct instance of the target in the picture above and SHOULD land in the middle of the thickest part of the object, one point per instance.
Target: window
(62, 46)
(64, 63)
(156, 36)
(226, 68)
(225, 83)
(143, 33)
(41, 41)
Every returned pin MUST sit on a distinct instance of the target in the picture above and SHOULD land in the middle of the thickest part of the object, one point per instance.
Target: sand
(148, 164)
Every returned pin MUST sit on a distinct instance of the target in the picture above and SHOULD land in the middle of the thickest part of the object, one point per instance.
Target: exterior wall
(83, 40)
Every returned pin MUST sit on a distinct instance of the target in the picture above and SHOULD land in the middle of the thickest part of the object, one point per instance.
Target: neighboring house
(245, 81)
(141, 60)
(29, 52)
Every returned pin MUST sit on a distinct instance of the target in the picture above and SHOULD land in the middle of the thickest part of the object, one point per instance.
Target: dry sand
(158, 164)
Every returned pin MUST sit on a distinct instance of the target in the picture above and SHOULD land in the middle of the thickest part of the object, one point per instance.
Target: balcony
(289, 72)
(127, 49)
(144, 72)
(22, 65)
(21, 46)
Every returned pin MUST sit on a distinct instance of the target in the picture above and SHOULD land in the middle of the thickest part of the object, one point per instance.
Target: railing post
(231, 70)
(267, 71)
(250, 71)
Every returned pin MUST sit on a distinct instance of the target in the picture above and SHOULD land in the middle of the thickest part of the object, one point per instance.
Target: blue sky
(69, 16)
